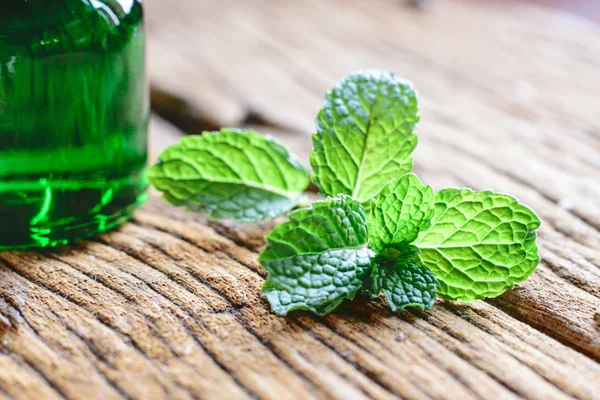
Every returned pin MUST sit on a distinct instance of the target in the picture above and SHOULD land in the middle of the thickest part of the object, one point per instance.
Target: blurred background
(509, 90)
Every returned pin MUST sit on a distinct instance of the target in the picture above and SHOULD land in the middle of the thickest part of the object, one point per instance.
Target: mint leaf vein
(364, 135)
(232, 174)
(318, 258)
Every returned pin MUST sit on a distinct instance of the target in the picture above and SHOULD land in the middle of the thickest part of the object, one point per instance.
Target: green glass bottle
(73, 118)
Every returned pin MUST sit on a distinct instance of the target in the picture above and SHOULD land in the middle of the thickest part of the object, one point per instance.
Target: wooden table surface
(168, 306)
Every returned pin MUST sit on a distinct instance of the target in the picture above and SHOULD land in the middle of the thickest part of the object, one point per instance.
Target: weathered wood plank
(535, 342)
(168, 306)
(239, 49)
(20, 380)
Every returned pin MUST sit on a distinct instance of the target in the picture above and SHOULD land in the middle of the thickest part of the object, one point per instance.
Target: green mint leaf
(364, 135)
(318, 258)
(480, 244)
(404, 284)
(234, 174)
(399, 212)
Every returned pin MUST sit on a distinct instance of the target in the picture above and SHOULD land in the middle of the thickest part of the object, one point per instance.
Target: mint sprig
(413, 245)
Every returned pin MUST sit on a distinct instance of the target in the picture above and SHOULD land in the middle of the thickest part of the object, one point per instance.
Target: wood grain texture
(168, 305)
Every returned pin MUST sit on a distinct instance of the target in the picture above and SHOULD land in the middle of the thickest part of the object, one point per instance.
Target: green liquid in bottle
(73, 118)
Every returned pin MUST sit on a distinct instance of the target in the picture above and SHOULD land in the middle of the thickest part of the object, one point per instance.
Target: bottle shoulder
(49, 24)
